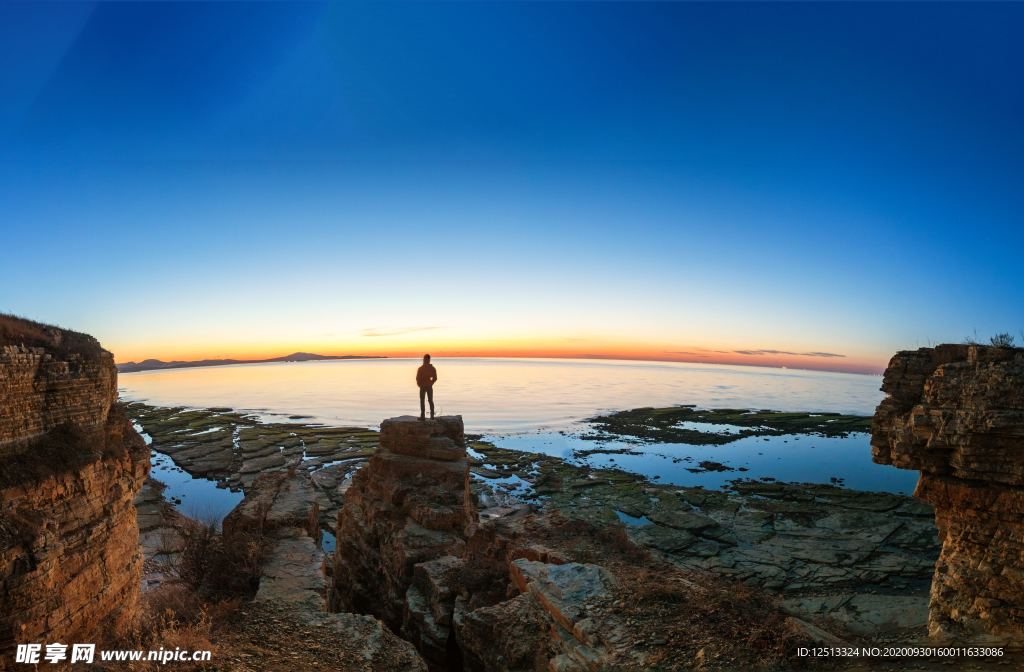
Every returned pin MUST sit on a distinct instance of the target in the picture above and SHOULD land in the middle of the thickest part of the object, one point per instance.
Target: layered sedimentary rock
(69, 554)
(410, 504)
(956, 413)
(469, 595)
(39, 391)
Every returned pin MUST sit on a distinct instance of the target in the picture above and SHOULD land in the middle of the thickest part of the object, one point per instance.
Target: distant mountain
(153, 364)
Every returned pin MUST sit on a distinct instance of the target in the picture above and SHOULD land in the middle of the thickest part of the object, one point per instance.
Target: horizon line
(228, 361)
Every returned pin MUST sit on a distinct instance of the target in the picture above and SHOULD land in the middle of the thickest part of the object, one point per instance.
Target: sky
(812, 185)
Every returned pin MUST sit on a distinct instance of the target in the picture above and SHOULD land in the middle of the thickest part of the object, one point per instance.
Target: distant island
(151, 364)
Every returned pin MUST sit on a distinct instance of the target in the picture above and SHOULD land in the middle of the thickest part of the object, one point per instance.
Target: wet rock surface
(956, 414)
(234, 448)
(823, 541)
(669, 425)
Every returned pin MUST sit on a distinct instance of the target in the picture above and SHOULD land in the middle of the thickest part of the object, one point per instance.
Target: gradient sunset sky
(812, 185)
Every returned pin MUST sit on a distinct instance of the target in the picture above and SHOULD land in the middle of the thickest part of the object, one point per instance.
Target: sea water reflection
(197, 498)
(788, 458)
(496, 395)
(527, 404)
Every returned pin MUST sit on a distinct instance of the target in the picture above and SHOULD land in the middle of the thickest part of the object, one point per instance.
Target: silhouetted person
(426, 376)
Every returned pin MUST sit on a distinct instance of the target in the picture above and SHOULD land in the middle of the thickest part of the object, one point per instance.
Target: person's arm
(433, 377)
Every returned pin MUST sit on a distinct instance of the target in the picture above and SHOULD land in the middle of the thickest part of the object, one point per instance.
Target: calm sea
(497, 395)
(526, 404)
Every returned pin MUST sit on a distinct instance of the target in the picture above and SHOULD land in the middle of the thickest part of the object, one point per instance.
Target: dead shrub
(1003, 340)
(238, 564)
(199, 541)
(223, 565)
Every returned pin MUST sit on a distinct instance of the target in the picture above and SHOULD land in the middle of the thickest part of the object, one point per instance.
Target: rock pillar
(956, 414)
(411, 504)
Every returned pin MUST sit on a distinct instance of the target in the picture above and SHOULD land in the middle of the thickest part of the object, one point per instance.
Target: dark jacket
(426, 375)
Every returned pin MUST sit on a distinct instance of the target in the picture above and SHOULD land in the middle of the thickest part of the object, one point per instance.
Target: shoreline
(864, 558)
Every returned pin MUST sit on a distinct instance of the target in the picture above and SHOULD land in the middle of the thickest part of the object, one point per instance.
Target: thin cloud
(784, 352)
(377, 332)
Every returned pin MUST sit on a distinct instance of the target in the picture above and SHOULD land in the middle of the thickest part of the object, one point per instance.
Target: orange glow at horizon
(597, 349)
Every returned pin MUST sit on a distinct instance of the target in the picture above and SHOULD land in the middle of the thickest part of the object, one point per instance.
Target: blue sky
(194, 179)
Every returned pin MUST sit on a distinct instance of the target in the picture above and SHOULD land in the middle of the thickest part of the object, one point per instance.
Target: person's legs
(423, 410)
(430, 396)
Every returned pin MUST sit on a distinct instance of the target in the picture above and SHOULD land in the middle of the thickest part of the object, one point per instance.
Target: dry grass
(598, 543)
(170, 617)
(16, 330)
(707, 621)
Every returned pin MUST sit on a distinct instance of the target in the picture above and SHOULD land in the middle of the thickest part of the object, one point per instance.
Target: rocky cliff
(40, 391)
(956, 414)
(72, 463)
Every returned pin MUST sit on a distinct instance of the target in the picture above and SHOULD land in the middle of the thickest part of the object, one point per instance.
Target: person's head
(426, 359)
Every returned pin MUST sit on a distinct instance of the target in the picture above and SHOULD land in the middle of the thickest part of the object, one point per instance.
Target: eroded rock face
(411, 504)
(39, 392)
(956, 413)
(69, 542)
